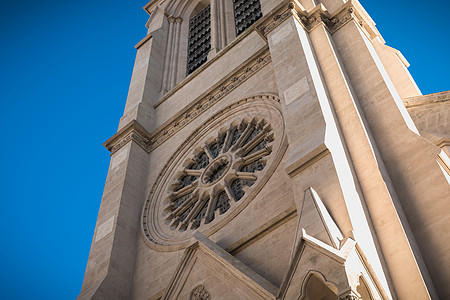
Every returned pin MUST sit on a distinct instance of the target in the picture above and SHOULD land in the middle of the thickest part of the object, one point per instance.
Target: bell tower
(273, 150)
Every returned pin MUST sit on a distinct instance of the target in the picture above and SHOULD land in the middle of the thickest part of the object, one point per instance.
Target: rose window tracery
(214, 173)
(218, 173)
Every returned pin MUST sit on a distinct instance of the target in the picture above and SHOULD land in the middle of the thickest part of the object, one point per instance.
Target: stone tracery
(197, 165)
(219, 174)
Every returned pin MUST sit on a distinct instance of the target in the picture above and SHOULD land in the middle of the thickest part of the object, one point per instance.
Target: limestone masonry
(273, 150)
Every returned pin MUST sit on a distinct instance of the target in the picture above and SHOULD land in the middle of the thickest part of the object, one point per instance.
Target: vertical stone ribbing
(379, 194)
(166, 76)
(215, 26)
(174, 65)
(223, 27)
(312, 128)
(409, 160)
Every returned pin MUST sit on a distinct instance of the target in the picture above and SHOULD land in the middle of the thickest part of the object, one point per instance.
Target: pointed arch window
(246, 12)
(199, 39)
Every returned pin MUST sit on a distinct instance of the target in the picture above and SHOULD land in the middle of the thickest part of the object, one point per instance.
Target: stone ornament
(350, 296)
(199, 293)
(320, 15)
(215, 173)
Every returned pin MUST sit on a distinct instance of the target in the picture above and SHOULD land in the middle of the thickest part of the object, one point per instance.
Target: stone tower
(273, 149)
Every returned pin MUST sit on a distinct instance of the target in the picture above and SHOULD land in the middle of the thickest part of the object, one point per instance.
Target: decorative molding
(149, 142)
(340, 19)
(143, 41)
(427, 99)
(349, 11)
(173, 19)
(150, 6)
(277, 19)
(199, 293)
(133, 131)
(203, 103)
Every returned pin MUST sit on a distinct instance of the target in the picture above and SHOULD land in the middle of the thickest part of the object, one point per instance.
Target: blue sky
(65, 70)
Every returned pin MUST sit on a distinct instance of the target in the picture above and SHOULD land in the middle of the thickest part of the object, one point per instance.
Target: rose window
(218, 174)
(213, 172)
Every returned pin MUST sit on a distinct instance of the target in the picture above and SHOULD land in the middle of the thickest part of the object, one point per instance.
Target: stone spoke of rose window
(200, 162)
(216, 146)
(237, 132)
(181, 207)
(257, 155)
(257, 165)
(258, 139)
(197, 220)
(237, 187)
(223, 203)
(245, 134)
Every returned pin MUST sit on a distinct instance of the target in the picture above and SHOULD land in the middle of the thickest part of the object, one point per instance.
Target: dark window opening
(246, 12)
(199, 39)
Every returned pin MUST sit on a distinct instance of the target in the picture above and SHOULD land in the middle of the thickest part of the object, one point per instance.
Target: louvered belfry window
(199, 39)
(246, 12)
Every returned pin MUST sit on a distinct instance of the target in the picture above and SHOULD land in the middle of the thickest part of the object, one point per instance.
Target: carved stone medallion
(199, 293)
(215, 173)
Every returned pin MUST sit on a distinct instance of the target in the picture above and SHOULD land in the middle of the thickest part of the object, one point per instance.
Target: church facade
(273, 149)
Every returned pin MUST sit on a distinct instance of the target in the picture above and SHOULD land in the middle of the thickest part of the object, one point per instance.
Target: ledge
(150, 6)
(133, 131)
(426, 99)
(143, 41)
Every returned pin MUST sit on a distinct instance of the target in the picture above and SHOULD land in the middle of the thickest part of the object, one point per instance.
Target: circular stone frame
(155, 224)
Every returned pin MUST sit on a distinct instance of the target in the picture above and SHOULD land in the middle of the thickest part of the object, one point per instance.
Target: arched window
(246, 12)
(199, 39)
(316, 289)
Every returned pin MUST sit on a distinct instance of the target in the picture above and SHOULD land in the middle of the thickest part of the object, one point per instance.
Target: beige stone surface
(355, 205)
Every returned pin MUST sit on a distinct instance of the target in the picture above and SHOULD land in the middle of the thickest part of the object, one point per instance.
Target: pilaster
(380, 198)
(148, 76)
(110, 266)
(316, 145)
(222, 25)
(409, 160)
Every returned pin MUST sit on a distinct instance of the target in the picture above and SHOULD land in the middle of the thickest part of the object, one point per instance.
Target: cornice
(133, 131)
(151, 5)
(426, 99)
(350, 11)
(143, 41)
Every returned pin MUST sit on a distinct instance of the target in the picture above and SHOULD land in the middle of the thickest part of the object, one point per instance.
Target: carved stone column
(215, 28)
(174, 56)
(166, 77)
(222, 25)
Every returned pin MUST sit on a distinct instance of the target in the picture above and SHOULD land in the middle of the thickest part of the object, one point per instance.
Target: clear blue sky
(65, 70)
